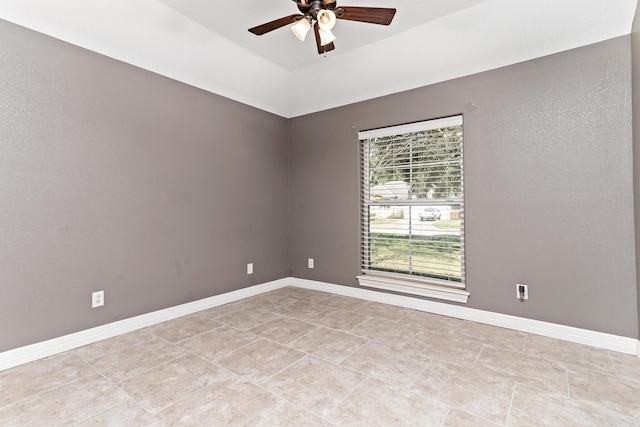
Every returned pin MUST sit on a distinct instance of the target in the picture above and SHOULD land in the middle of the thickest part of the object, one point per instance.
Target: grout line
(198, 334)
(44, 390)
(284, 402)
(473, 365)
(286, 367)
(127, 378)
(564, 364)
(354, 351)
(613, 363)
(446, 415)
(413, 383)
(50, 388)
(258, 338)
(94, 358)
(281, 402)
(315, 356)
(165, 407)
(160, 338)
(359, 372)
(524, 344)
(303, 335)
(513, 394)
(568, 383)
(366, 377)
(242, 306)
(403, 317)
(115, 405)
(262, 385)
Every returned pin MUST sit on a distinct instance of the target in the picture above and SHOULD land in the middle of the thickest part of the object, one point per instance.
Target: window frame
(396, 281)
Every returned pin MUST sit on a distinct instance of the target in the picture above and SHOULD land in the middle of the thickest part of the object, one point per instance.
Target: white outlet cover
(310, 263)
(97, 299)
(250, 268)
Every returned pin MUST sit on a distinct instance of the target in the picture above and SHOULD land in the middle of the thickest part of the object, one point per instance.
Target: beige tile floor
(297, 357)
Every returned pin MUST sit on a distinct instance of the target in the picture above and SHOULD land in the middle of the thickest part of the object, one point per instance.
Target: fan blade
(371, 15)
(322, 49)
(274, 25)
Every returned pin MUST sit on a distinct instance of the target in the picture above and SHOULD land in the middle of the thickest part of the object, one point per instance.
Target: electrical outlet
(522, 292)
(310, 263)
(97, 299)
(250, 268)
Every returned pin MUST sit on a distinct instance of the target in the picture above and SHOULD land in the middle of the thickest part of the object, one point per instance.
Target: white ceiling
(205, 43)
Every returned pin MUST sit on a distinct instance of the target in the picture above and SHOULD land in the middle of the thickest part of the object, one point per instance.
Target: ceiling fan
(322, 15)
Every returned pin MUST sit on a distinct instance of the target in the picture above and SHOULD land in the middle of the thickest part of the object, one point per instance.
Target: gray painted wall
(115, 178)
(635, 75)
(548, 185)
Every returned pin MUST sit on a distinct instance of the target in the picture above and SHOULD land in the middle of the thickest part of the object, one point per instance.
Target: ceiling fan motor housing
(312, 7)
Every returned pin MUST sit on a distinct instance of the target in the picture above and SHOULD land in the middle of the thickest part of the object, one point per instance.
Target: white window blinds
(412, 205)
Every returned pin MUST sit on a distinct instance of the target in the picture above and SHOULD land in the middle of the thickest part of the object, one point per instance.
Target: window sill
(414, 288)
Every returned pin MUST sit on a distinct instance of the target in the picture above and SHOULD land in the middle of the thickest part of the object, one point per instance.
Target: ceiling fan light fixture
(326, 37)
(322, 16)
(301, 28)
(326, 19)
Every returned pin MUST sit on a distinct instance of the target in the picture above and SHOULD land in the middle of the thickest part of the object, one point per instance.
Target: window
(412, 208)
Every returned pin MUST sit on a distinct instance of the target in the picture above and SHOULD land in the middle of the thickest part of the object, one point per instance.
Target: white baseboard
(552, 330)
(29, 353)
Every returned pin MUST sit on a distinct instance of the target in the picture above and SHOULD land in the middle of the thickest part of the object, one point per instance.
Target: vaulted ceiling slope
(206, 44)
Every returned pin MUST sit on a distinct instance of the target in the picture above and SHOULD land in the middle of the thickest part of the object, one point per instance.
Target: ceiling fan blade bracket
(303, 5)
(329, 4)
